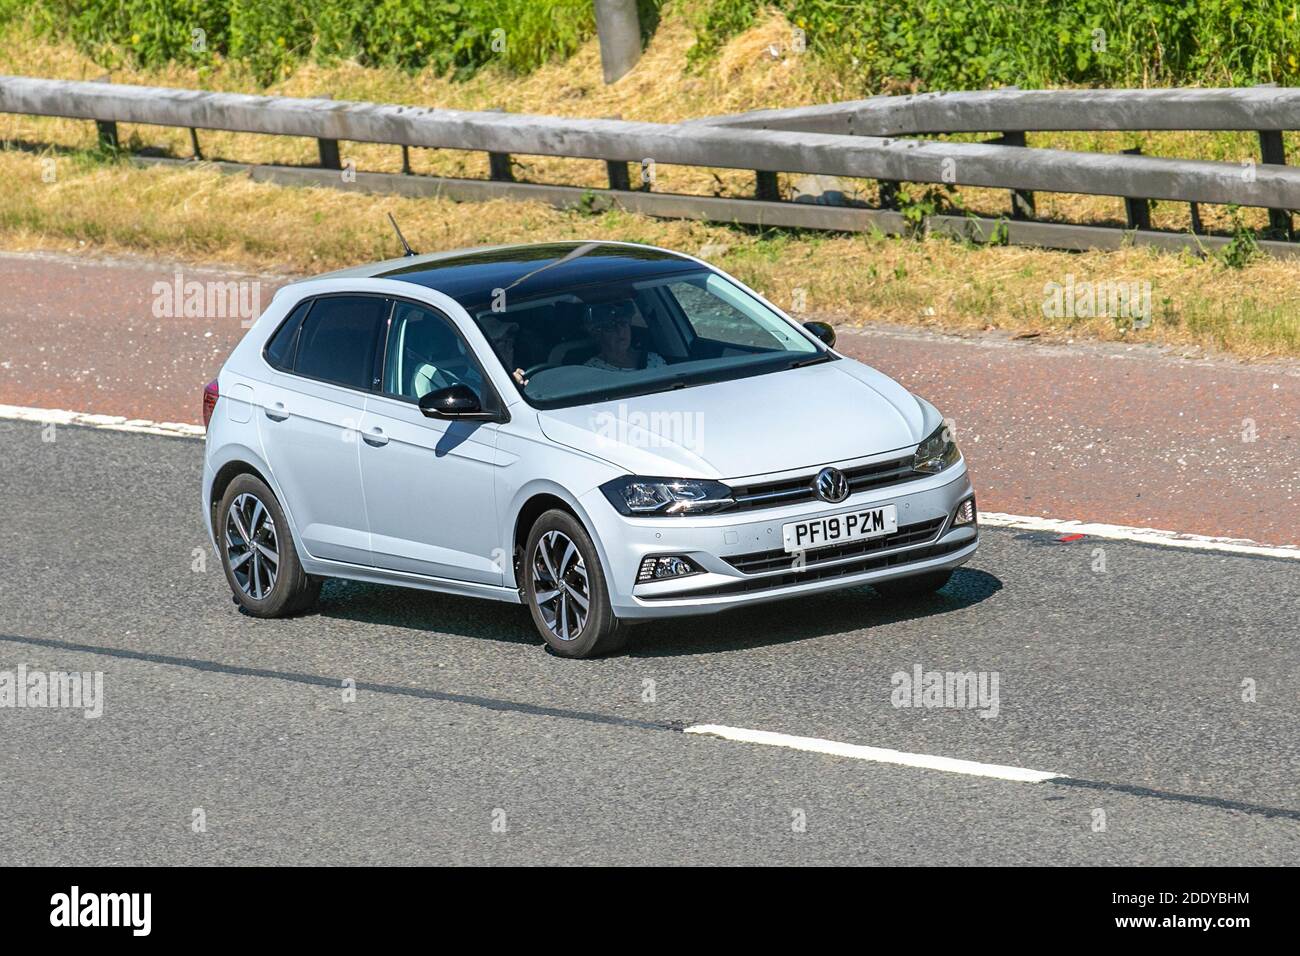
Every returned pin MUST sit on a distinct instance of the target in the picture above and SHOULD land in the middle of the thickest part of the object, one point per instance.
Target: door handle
(375, 437)
(276, 412)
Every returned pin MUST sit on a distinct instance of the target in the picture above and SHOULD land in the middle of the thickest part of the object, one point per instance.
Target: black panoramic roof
(538, 270)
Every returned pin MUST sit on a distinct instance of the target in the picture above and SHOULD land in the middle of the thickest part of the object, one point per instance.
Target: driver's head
(610, 323)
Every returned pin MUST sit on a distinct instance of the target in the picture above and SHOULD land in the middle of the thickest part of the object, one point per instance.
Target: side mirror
(824, 331)
(453, 402)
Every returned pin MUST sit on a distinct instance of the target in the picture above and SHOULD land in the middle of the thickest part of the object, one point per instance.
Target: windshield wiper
(824, 357)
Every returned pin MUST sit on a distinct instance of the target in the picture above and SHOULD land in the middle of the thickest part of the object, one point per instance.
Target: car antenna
(401, 238)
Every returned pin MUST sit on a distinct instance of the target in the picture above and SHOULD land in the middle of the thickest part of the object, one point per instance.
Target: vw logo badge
(831, 485)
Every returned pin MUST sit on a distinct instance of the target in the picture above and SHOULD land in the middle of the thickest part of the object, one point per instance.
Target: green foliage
(716, 21)
(147, 31)
(1242, 248)
(271, 36)
(891, 45)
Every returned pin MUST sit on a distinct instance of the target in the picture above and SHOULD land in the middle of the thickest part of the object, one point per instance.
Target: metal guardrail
(1265, 110)
(1252, 108)
(735, 142)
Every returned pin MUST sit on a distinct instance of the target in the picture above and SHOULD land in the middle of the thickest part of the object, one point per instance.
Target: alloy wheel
(252, 548)
(560, 585)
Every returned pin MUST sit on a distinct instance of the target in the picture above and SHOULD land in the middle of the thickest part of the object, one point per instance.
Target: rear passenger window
(338, 338)
(279, 352)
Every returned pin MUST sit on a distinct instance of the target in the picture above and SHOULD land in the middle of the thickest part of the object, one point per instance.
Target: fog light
(657, 568)
(965, 513)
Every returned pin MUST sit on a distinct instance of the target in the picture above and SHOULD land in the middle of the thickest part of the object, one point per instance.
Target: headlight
(666, 496)
(936, 453)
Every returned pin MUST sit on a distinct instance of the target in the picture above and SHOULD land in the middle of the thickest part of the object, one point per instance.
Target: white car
(604, 432)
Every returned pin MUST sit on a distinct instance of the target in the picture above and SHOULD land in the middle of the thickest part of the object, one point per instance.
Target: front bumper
(743, 561)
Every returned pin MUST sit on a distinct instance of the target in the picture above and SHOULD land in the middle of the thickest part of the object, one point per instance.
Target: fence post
(329, 148)
(888, 194)
(618, 26)
(766, 186)
(499, 166)
(1022, 200)
(1137, 212)
(194, 141)
(1272, 151)
(616, 170)
(106, 129)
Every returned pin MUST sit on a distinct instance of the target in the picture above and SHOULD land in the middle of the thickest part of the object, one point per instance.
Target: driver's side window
(426, 353)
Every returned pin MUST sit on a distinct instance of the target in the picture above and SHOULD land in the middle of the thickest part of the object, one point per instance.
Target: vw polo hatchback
(603, 432)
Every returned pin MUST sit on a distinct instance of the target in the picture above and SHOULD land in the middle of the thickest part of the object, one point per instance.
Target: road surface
(468, 743)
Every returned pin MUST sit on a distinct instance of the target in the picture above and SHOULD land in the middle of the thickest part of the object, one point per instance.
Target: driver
(610, 323)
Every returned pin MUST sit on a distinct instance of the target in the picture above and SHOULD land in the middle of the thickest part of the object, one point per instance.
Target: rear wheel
(918, 585)
(258, 554)
(565, 589)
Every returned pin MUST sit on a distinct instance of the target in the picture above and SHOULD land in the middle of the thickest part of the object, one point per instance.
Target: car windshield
(608, 340)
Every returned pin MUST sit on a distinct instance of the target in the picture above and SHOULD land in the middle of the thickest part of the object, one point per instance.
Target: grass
(197, 215)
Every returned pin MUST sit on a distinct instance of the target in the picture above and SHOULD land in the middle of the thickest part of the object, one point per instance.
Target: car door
(310, 414)
(429, 483)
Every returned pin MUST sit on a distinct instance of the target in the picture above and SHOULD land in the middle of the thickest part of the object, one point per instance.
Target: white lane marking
(1168, 539)
(58, 416)
(875, 754)
(1171, 539)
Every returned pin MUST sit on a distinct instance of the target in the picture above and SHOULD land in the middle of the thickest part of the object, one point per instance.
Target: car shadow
(782, 622)
(806, 618)
(418, 610)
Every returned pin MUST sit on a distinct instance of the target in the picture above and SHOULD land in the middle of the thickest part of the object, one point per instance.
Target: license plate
(839, 528)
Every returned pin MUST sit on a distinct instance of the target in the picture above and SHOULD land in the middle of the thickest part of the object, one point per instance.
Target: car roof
(473, 276)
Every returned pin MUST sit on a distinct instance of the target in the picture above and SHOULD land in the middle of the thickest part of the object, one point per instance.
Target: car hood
(835, 411)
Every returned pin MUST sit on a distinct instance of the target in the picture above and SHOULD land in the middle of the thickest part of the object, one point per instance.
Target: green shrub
(270, 36)
(146, 31)
(974, 44)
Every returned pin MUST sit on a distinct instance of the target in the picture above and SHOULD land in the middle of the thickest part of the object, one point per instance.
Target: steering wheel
(539, 367)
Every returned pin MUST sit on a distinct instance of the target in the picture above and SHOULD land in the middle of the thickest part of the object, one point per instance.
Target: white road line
(58, 416)
(875, 754)
(1170, 539)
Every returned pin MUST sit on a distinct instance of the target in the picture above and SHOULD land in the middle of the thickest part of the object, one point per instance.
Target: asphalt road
(1129, 680)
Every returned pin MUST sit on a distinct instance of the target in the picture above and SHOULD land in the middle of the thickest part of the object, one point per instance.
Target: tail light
(210, 396)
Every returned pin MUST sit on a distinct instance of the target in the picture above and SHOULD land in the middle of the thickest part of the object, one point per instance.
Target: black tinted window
(337, 341)
(279, 352)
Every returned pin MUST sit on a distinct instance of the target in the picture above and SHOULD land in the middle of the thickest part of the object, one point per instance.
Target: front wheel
(258, 554)
(565, 589)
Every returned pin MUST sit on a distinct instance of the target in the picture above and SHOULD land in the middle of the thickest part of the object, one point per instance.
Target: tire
(560, 619)
(918, 585)
(261, 586)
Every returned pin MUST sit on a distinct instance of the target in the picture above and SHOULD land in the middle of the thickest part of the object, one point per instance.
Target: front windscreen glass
(618, 339)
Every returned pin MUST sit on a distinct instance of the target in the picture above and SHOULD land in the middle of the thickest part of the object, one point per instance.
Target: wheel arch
(532, 504)
(241, 460)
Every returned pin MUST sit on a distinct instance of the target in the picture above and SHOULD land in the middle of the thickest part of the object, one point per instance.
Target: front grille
(874, 563)
(759, 561)
(791, 491)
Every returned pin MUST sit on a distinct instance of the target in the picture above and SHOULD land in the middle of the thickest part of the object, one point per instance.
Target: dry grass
(199, 215)
(196, 214)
